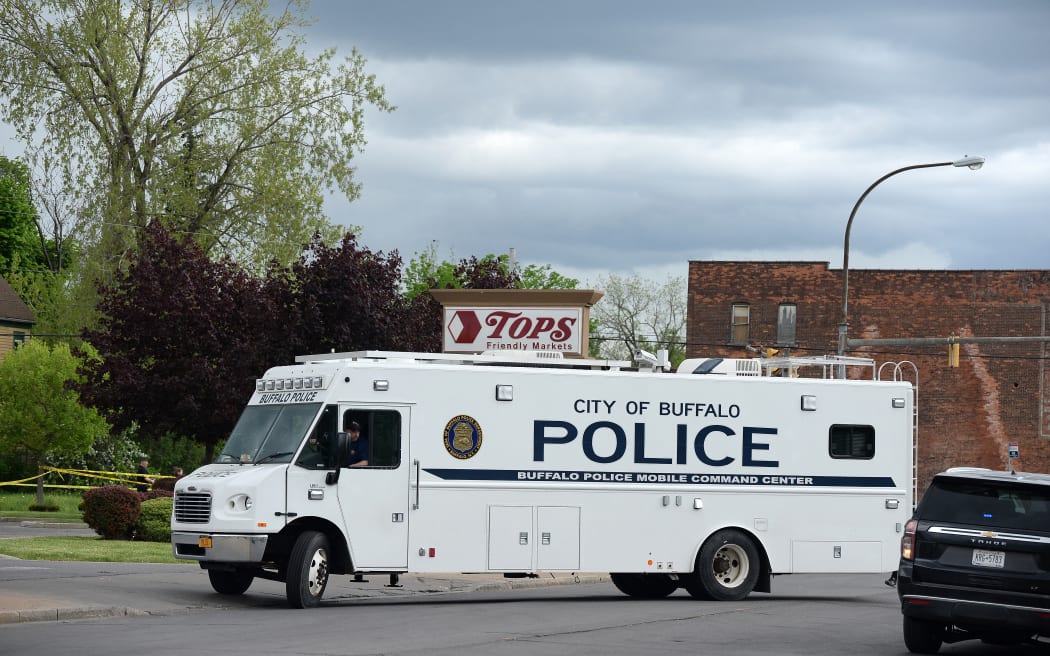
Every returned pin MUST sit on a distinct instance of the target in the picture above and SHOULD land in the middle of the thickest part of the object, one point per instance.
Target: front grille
(192, 508)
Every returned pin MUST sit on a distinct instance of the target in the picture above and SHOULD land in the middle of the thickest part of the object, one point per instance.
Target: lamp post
(973, 163)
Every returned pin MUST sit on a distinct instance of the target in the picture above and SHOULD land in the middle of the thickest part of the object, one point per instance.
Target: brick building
(999, 393)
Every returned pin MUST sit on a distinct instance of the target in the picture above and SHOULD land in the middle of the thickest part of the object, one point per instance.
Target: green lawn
(92, 549)
(16, 504)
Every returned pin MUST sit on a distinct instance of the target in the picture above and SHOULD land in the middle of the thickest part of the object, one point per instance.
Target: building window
(740, 328)
(852, 442)
(19, 338)
(786, 314)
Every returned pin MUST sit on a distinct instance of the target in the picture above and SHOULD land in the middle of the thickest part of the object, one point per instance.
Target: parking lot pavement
(33, 590)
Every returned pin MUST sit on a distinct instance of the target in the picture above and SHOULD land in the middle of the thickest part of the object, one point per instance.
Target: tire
(230, 583)
(696, 589)
(307, 570)
(644, 586)
(727, 567)
(921, 636)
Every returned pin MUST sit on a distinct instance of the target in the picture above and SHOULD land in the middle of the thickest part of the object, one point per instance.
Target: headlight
(239, 503)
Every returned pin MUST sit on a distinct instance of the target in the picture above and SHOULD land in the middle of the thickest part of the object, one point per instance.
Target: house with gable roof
(16, 319)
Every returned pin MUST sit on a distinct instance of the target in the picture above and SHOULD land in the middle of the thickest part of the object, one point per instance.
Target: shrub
(112, 511)
(154, 523)
(44, 507)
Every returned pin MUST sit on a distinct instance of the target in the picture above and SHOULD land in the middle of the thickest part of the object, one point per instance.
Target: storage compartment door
(510, 538)
(836, 556)
(558, 533)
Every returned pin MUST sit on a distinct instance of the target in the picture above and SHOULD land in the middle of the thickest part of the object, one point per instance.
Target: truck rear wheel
(307, 570)
(695, 587)
(230, 583)
(645, 586)
(728, 566)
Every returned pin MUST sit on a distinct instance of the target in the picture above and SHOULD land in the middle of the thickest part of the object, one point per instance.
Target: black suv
(975, 560)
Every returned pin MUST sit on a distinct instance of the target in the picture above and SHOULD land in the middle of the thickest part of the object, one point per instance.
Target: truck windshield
(268, 433)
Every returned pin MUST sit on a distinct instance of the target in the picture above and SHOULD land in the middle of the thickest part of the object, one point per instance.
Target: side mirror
(341, 457)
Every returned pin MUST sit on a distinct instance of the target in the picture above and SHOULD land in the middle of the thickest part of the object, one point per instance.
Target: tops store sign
(476, 329)
(478, 320)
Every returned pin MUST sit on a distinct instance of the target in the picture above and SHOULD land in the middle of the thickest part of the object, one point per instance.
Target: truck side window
(382, 429)
(852, 442)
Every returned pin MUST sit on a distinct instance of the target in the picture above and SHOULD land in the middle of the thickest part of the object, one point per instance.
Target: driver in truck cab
(358, 444)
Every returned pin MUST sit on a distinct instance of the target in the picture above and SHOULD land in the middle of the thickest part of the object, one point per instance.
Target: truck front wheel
(307, 570)
(728, 566)
(230, 583)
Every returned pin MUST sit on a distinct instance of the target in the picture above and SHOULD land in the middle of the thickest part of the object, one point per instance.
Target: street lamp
(972, 163)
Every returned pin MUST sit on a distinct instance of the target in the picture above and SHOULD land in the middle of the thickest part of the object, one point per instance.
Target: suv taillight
(908, 540)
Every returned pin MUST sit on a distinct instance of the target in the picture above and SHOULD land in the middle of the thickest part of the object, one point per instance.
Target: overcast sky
(608, 136)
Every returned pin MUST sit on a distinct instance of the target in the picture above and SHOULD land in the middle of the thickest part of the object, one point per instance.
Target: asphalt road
(177, 613)
(111, 609)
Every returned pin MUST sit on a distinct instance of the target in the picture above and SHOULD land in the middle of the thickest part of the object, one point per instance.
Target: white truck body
(518, 464)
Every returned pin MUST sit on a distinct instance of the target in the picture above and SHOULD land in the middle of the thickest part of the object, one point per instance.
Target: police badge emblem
(462, 437)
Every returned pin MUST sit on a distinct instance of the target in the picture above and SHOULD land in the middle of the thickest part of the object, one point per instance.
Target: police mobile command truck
(713, 479)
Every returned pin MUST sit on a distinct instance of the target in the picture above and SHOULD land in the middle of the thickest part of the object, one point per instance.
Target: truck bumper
(225, 548)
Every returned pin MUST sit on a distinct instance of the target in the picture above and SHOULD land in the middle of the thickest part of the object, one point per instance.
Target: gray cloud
(604, 136)
(618, 136)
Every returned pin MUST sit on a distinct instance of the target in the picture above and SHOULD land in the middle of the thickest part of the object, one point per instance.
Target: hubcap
(730, 565)
(318, 576)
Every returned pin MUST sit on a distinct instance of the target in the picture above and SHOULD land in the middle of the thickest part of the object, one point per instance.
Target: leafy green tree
(206, 115)
(45, 273)
(535, 276)
(424, 272)
(636, 313)
(19, 245)
(40, 412)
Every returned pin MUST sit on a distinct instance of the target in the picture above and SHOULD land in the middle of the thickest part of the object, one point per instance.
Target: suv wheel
(922, 637)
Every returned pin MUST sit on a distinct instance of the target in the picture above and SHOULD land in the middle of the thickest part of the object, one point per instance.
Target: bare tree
(636, 313)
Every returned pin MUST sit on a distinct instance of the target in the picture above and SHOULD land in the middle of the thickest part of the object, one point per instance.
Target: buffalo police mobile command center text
(713, 478)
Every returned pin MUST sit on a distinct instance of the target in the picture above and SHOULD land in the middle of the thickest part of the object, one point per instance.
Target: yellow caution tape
(119, 478)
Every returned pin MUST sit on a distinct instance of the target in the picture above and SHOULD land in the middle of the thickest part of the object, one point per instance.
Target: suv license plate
(982, 558)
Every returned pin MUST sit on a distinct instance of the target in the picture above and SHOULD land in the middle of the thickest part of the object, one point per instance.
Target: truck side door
(307, 492)
(374, 499)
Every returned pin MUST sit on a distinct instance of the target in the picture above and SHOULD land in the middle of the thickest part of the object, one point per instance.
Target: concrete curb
(56, 614)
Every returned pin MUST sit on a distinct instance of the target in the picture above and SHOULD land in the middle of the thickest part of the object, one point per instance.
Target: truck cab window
(382, 430)
(317, 452)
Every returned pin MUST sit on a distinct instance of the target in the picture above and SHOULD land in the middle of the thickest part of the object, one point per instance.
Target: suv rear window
(986, 503)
